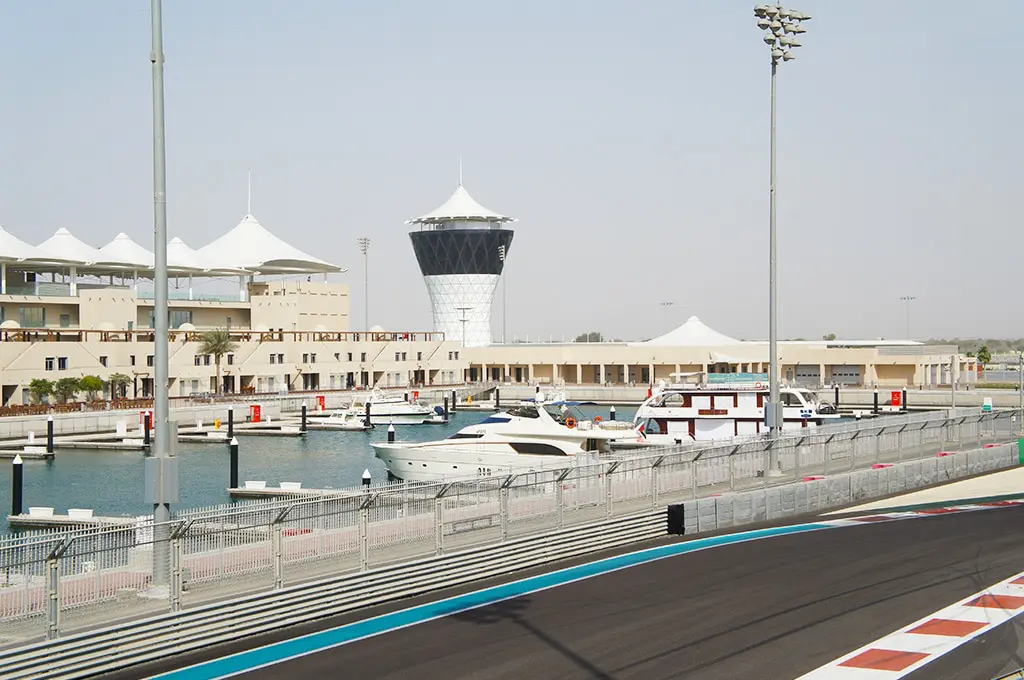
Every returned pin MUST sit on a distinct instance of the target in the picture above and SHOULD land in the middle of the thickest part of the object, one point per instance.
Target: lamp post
(160, 487)
(364, 248)
(907, 299)
(504, 291)
(781, 27)
(462, 317)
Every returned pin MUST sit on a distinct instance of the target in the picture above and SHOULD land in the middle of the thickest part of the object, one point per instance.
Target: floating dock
(50, 521)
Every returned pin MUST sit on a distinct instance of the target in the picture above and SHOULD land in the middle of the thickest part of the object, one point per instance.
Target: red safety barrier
(879, 466)
(813, 478)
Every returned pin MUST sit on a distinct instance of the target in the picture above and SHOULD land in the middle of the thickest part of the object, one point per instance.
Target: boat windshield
(562, 412)
(810, 397)
(524, 411)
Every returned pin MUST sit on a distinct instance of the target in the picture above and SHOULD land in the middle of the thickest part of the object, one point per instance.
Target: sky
(630, 139)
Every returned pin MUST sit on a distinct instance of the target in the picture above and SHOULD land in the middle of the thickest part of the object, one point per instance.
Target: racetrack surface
(771, 608)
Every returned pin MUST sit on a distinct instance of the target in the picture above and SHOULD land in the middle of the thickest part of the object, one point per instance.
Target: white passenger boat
(536, 435)
(349, 419)
(723, 406)
(396, 408)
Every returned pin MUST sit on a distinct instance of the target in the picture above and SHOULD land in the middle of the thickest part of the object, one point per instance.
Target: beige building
(693, 347)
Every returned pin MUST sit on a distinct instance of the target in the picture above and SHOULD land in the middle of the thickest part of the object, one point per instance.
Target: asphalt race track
(772, 608)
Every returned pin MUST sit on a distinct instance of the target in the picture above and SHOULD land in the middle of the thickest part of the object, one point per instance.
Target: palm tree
(218, 343)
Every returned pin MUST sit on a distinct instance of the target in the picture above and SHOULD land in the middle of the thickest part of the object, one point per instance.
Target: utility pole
(364, 248)
(504, 292)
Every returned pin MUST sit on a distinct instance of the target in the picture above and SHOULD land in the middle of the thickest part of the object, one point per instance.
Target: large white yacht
(536, 435)
(722, 406)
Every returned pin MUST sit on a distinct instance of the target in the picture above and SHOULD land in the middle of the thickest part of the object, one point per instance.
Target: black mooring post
(876, 400)
(231, 424)
(454, 402)
(446, 409)
(234, 463)
(49, 434)
(391, 433)
(17, 485)
(837, 396)
(302, 427)
(146, 424)
(905, 399)
(366, 418)
(497, 398)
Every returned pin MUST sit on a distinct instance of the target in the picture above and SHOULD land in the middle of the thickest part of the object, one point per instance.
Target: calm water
(110, 482)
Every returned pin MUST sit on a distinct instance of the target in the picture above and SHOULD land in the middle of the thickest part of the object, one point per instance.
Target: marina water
(110, 482)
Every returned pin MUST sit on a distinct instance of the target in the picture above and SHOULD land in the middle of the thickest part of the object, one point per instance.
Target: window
(149, 360)
(350, 356)
(206, 360)
(180, 316)
(49, 363)
(312, 358)
(62, 363)
(103, 361)
(65, 320)
(273, 358)
(398, 356)
(280, 358)
(419, 356)
(32, 317)
(131, 360)
(198, 360)
(362, 357)
(231, 360)
(456, 356)
(337, 356)
(305, 358)
(403, 356)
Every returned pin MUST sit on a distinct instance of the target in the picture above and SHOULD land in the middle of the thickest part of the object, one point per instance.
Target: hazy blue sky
(629, 138)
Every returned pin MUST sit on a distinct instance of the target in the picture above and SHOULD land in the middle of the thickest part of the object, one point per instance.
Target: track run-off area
(910, 594)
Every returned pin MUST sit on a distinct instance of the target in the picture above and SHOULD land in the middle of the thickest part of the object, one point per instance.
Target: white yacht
(533, 436)
(348, 419)
(724, 406)
(396, 408)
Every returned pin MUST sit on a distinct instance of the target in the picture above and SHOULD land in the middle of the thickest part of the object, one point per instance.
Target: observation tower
(461, 248)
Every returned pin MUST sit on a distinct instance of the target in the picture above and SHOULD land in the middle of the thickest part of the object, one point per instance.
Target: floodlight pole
(364, 247)
(161, 443)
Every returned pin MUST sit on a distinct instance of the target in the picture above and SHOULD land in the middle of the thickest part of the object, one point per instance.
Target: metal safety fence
(75, 578)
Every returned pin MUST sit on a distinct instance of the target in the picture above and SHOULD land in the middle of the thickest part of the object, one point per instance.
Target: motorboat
(535, 435)
(349, 420)
(395, 408)
(722, 406)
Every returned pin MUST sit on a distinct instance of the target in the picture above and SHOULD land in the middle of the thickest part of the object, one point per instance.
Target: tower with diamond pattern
(461, 249)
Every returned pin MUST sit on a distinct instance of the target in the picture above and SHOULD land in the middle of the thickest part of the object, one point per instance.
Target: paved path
(772, 608)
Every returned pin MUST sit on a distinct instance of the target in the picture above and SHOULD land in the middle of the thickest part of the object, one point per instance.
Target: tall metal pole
(773, 309)
(161, 448)
(1020, 389)
(364, 246)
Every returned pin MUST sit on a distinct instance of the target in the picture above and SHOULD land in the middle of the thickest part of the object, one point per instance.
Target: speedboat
(723, 406)
(349, 420)
(395, 409)
(533, 436)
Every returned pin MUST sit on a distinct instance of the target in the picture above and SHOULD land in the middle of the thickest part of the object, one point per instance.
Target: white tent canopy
(182, 258)
(65, 245)
(124, 249)
(461, 206)
(693, 333)
(251, 247)
(13, 249)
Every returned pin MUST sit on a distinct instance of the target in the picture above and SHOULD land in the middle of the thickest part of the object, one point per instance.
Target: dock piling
(366, 479)
(391, 433)
(231, 424)
(302, 426)
(905, 409)
(446, 409)
(455, 401)
(876, 400)
(146, 424)
(611, 412)
(49, 433)
(497, 398)
(836, 404)
(366, 418)
(233, 447)
(17, 485)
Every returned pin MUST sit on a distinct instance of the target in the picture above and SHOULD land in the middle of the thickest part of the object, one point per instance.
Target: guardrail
(68, 579)
(114, 648)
